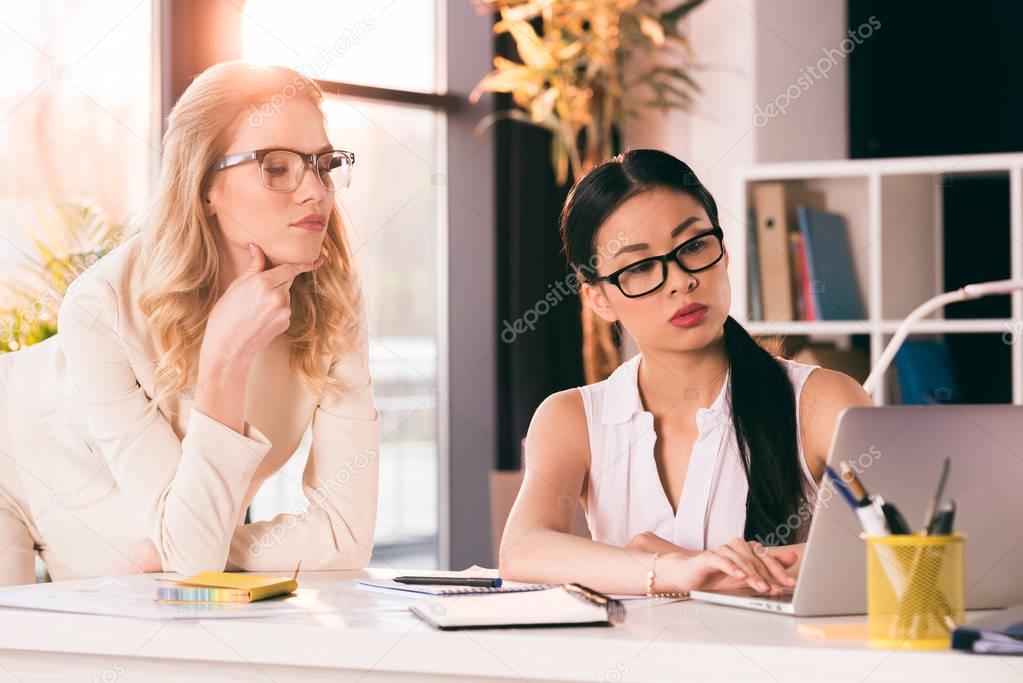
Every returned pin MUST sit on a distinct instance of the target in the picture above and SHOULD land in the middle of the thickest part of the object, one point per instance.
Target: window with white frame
(387, 106)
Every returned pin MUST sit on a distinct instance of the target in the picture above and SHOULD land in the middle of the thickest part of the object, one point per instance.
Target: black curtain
(539, 345)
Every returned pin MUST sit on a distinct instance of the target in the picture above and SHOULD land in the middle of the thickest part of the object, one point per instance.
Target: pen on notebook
(932, 508)
(471, 581)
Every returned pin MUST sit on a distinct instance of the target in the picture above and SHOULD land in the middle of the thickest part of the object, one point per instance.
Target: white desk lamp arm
(966, 293)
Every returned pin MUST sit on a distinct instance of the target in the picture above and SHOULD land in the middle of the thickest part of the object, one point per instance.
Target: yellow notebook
(226, 587)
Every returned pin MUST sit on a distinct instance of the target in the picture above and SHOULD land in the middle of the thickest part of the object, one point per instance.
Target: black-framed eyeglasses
(648, 275)
(281, 169)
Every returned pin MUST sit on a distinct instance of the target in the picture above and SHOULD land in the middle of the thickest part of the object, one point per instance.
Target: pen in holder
(914, 590)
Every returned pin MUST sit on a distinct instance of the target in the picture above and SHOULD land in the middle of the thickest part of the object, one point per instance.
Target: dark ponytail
(764, 417)
(762, 399)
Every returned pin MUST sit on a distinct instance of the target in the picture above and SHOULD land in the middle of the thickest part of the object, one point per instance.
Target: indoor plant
(69, 238)
(586, 67)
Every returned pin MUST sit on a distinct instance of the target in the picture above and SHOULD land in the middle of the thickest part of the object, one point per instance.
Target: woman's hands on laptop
(735, 564)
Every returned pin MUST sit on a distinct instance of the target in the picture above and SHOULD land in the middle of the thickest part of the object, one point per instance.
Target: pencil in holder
(914, 590)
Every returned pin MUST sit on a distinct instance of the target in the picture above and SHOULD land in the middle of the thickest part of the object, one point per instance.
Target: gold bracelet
(652, 574)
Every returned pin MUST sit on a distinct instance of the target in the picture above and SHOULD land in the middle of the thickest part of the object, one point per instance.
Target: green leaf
(673, 16)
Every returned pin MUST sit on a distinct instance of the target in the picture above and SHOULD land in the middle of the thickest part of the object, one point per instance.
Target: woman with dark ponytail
(698, 460)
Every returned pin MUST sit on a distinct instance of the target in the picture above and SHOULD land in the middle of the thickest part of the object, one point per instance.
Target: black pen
(471, 581)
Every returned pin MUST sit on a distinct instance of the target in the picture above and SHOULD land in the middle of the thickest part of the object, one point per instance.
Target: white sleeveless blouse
(625, 496)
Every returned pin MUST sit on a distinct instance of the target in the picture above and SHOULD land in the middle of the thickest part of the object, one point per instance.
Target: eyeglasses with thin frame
(648, 275)
(281, 169)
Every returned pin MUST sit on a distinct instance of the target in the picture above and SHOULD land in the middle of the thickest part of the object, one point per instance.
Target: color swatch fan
(226, 587)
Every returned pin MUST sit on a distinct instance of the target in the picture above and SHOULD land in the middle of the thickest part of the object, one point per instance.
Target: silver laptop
(897, 452)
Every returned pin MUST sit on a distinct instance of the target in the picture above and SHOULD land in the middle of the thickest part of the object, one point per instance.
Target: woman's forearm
(543, 555)
(652, 543)
(221, 387)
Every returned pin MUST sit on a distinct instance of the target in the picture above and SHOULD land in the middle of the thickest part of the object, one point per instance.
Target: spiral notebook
(386, 585)
(564, 605)
(1000, 633)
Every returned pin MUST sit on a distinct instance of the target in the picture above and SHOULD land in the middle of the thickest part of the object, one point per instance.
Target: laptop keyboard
(785, 598)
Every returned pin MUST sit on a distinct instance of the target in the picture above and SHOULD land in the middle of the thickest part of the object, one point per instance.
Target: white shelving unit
(893, 209)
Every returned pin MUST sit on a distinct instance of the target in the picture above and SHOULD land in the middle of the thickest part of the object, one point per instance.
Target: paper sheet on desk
(114, 597)
(474, 571)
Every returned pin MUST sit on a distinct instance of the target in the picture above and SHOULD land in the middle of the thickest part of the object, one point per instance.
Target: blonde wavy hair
(180, 264)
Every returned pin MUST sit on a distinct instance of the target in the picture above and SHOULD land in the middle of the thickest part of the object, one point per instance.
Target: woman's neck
(695, 377)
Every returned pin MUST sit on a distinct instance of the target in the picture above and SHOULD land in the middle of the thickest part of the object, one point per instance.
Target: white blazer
(93, 465)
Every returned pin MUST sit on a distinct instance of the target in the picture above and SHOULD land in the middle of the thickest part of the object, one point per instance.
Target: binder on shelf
(775, 206)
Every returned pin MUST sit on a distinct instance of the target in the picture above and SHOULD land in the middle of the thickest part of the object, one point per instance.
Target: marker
(897, 524)
(872, 517)
(868, 509)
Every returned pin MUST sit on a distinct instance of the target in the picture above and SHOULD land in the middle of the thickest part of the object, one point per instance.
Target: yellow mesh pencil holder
(914, 590)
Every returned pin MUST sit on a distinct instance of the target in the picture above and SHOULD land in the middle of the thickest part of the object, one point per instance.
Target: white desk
(374, 638)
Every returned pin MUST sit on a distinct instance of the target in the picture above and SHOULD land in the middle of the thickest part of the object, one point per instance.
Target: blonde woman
(191, 359)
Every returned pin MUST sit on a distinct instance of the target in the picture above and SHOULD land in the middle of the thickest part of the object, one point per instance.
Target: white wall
(752, 52)
(718, 134)
(802, 66)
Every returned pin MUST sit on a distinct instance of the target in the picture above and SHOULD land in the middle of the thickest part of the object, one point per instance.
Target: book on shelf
(774, 206)
(803, 297)
(798, 305)
(805, 281)
(834, 291)
(756, 310)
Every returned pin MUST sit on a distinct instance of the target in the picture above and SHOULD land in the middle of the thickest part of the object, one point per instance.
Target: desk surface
(373, 637)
